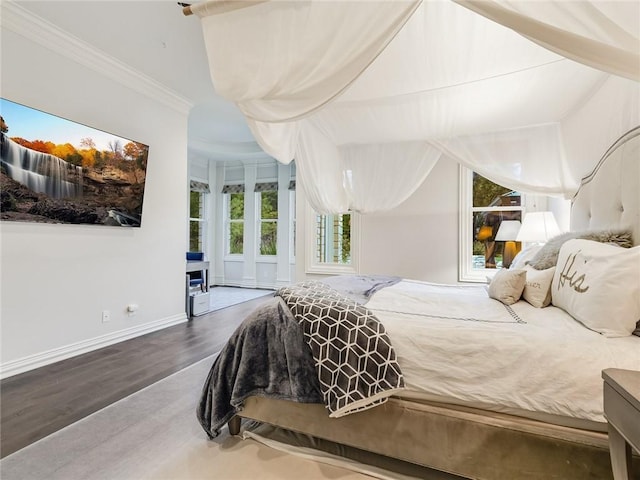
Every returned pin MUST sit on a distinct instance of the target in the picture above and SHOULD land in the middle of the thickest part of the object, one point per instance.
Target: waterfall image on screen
(53, 170)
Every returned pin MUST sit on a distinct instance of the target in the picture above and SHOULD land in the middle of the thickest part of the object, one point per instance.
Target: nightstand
(622, 410)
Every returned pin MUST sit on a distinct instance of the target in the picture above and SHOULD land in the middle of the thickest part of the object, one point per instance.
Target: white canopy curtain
(282, 60)
(356, 86)
(594, 33)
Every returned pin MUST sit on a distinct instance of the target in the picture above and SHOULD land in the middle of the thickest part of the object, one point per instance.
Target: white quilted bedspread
(456, 344)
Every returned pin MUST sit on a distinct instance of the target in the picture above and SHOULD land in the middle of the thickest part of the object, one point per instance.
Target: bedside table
(622, 410)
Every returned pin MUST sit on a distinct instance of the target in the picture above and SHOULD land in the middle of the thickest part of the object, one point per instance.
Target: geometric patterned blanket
(355, 361)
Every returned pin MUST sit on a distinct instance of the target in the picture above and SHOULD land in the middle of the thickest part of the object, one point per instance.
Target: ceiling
(157, 40)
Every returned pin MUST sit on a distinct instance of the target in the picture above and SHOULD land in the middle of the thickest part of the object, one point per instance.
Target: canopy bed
(489, 391)
(528, 97)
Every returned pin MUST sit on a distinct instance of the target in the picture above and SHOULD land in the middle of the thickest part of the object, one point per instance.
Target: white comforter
(456, 344)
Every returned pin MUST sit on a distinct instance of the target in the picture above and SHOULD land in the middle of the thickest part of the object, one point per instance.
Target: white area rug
(154, 434)
(222, 297)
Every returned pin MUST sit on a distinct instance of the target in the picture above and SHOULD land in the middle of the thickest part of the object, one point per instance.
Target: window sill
(478, 276)
(331, 269)
(266, 259)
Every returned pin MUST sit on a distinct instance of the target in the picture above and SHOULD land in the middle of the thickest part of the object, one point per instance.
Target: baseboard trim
(21, 365)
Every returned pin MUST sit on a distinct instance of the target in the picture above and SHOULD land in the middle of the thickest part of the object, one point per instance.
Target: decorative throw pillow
(547, 256)
(507, 285)
(523, 256)
(599, 285)
(537, 289)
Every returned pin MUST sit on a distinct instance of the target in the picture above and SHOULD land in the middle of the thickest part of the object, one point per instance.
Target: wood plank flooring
(37, 403)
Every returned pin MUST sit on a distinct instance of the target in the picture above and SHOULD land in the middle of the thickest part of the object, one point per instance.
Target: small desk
(195, 266)
(622, 410)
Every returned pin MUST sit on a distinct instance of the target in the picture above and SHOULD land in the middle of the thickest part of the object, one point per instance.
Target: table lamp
(508, 233)
(538, 227)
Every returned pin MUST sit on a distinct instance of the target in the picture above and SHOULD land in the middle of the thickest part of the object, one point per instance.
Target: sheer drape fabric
(598, 34)
(282, 60)
(366, 95)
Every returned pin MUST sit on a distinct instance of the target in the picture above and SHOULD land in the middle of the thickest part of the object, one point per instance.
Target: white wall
(57, 279)
(418, 239)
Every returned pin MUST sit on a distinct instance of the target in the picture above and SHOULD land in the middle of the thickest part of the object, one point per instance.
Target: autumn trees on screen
(131, 157)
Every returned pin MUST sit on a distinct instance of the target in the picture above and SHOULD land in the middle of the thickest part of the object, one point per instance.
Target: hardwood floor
(37, 403)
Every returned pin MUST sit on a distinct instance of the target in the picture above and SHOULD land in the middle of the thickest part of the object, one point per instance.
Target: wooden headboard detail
(609, 197)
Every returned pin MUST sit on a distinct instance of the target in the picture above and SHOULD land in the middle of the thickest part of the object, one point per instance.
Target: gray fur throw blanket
(266, 356)
(547, 256)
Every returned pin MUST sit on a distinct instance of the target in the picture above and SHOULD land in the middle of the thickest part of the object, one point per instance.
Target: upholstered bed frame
(475, 443)
(609, 197)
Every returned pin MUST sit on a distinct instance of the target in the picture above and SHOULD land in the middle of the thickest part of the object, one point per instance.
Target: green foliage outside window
(236, 243)
(195, 211)
(269, 205)
(346, 238)
(195, 204)
(269, 238)
(194, 237)
(236, 202)
(236, 224)
(268, 228)
(485, 192)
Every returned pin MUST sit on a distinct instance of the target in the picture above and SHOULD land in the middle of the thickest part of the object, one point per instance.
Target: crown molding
(226, 150)
(24, 23)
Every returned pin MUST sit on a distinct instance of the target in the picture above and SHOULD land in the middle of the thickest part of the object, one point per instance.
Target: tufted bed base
(472, 443)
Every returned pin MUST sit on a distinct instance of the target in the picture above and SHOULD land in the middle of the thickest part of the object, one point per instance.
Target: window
(483, 207)
(198, 196)
(332, 238)
(235, 223)
(268, 227)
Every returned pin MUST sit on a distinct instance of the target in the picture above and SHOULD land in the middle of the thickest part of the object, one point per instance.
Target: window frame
(315, 267)
(466, 272)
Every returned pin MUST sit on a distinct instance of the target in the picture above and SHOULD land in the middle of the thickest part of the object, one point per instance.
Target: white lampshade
(508, 230)
(538, 227)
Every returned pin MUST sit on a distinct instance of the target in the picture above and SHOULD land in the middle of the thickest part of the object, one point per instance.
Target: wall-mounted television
(53, 170)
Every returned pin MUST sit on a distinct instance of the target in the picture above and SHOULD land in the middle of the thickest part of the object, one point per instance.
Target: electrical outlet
(106, 316)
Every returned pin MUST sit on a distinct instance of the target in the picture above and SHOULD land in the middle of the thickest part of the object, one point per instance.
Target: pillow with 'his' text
(599, 285)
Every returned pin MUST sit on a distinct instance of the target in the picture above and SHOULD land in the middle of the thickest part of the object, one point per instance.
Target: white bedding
(475, 351)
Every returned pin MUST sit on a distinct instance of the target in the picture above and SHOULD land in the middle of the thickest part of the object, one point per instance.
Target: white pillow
(524, 256)
(507, 285)
(599, 285)
(537, 289)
